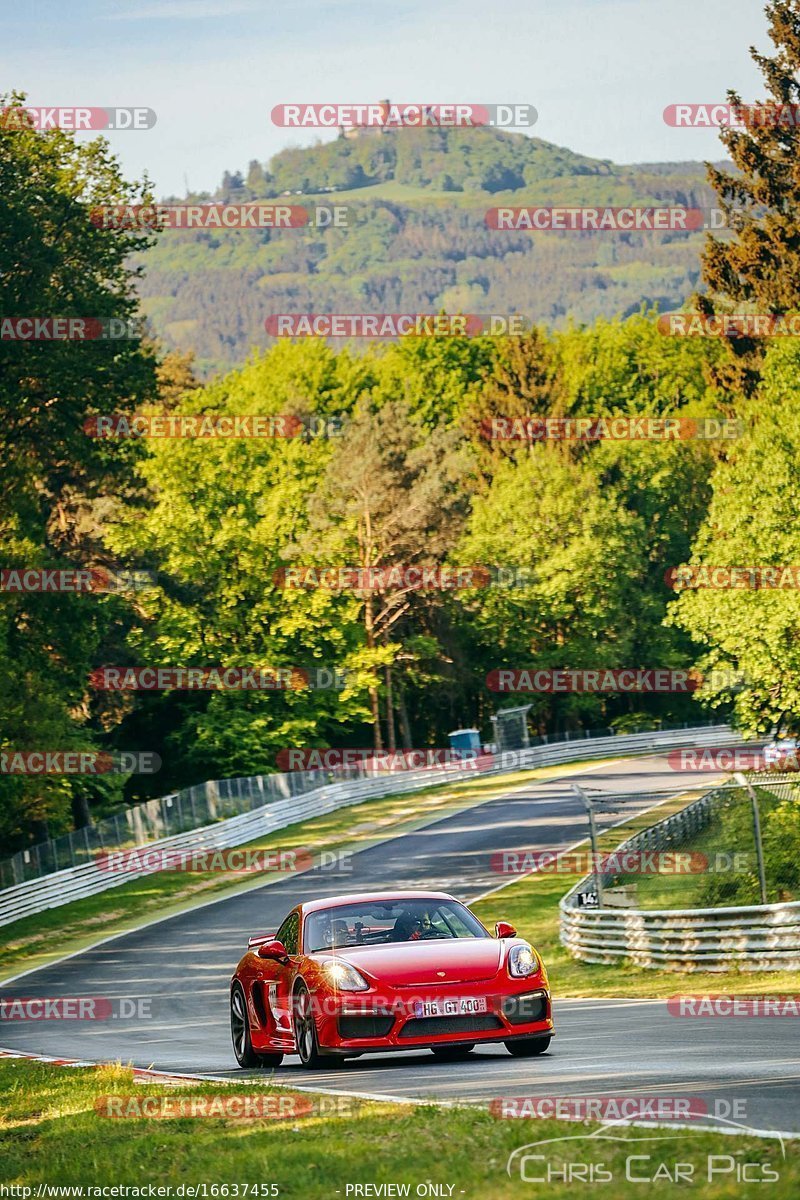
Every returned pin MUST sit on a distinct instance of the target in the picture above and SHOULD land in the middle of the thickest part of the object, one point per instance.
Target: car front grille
(368, 1025)
(421, 1027)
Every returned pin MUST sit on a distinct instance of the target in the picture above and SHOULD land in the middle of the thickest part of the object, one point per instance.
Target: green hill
(418, 240)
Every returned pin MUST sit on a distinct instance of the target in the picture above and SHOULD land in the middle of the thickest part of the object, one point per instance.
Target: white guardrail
(74, 883)
(754, 937)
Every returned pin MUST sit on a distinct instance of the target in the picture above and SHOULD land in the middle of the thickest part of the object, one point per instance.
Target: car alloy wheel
(240, 1029)
(246, 1056)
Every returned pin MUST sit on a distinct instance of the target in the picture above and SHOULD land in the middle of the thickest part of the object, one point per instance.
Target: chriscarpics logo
(614, 1156)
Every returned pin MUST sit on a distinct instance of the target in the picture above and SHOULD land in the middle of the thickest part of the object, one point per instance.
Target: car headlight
(344, 977)
(522, 961)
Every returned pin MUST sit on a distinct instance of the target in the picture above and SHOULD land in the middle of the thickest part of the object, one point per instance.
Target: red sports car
(384, 971)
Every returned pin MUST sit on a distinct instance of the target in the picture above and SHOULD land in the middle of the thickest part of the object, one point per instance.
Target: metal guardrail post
(760, 937)
(598, 879)
(762, 878)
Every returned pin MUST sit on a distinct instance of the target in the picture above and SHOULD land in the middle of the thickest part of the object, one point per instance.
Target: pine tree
(759, 266)
(524, 382)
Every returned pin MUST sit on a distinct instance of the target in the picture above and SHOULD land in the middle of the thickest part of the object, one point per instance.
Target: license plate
(457, 1006)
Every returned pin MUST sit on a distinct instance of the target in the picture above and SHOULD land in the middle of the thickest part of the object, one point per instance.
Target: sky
(599, 72)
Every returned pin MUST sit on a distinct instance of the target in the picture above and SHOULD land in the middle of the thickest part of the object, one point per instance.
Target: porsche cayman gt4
(384, 971)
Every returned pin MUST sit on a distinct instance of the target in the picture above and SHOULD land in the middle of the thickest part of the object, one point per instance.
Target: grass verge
(51, 1133)
(725, 856)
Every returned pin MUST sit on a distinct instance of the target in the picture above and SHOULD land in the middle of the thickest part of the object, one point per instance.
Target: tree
(760, 265)
(231, 187)
(751, 632)
(438, 378)
(216, 525)
(256, 177)
(175, 375)
(522, 381)
(55, 262)
(393, 495)
(581, 552)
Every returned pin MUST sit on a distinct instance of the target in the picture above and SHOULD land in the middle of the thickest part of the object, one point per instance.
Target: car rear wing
(258, 938)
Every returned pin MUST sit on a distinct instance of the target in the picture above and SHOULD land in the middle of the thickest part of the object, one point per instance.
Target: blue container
(465, 740)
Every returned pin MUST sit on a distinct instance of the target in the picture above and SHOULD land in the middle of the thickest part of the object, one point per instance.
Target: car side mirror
(504, 929)
(273, 950)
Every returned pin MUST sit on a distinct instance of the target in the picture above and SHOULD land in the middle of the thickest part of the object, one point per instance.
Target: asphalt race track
(182, 966)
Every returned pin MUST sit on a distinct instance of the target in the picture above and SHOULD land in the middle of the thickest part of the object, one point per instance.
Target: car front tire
(305, 1031)
(528, 1047)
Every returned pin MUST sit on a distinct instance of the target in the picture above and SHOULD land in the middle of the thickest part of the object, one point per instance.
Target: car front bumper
(356, 1023)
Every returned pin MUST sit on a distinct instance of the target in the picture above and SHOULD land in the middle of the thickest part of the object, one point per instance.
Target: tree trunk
(377, 742)
(373, 691)
(80, 810)
(405, 727)
(390, 734)
(39, 830)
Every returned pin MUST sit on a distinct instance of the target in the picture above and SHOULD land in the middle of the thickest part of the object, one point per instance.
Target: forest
(378, 464)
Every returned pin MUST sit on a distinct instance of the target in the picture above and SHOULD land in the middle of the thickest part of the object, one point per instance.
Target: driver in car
(408, 928)
(405, 928)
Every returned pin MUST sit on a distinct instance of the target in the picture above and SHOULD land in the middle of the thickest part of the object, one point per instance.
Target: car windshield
(381, 922)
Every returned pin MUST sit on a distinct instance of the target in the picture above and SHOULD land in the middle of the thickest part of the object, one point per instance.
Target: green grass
(718, 844)
(35, 940)
(724, 858)
(531, 904)
(51, 1133)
